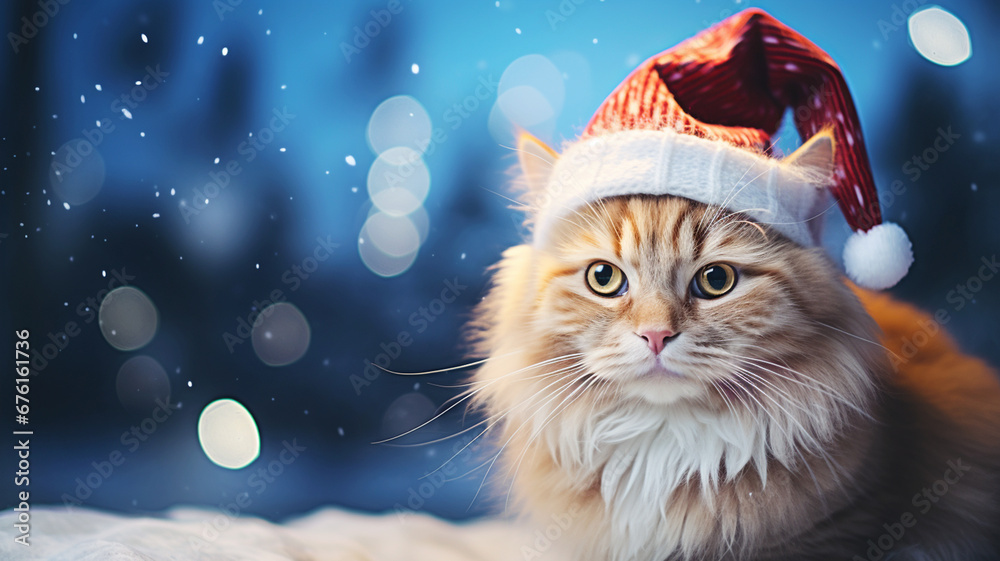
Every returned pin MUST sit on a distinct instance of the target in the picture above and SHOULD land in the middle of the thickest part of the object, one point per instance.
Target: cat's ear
(537, 161)
(815, 156)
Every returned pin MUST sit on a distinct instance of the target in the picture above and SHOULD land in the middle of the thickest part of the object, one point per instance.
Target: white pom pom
(878, 258)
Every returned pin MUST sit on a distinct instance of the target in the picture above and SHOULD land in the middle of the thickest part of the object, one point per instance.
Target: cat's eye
(713, 281)
(606, 279)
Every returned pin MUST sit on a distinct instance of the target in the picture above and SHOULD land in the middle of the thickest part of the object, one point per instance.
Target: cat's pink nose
(656, 339)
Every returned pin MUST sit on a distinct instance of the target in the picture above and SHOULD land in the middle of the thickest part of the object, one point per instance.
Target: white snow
(80, 534)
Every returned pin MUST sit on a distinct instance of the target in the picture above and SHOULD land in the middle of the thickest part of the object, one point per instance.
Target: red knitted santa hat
(696, 121)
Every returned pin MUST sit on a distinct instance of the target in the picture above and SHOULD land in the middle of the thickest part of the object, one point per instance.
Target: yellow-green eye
(713, 281)
(606, 279)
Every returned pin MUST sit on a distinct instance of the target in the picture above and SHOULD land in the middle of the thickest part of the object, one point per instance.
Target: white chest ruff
(642, 454)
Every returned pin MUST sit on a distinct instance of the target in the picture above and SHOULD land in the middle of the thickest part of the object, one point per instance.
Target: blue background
(204, 274)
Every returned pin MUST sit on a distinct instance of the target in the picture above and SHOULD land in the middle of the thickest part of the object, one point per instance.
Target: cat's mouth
(657, 369)
(659, 382)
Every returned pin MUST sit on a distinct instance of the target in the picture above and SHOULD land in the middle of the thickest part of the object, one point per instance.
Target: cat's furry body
(782, 423)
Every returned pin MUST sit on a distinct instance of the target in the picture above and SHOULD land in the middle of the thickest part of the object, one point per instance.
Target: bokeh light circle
(406, 412)
(525, 106)
(530, 97)
(538, 73)
(396, 236)
(128, 318)
(228, 434)
(398, 181)
(77, 171)
(939, 36)
(399, 121)
(142, 385)
(280, 335)
(375, 258)
(422, 222)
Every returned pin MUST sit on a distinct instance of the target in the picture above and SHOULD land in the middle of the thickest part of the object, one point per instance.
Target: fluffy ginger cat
(683, 382)
(675, 368)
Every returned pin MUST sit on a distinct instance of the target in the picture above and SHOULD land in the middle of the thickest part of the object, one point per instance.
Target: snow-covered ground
(189, 534)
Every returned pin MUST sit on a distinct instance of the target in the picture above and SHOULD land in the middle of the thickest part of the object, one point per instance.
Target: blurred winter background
(346, 161)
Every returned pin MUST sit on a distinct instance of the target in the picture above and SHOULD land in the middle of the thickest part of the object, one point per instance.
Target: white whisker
(862, 339)
(547, 401)
(535, 433)
(449, 369)
(501, 416)
(469, 395)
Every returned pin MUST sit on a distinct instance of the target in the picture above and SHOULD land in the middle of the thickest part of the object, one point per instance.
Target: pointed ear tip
(824, 139)
(826, 136)
(526, 140)
(817, 152)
